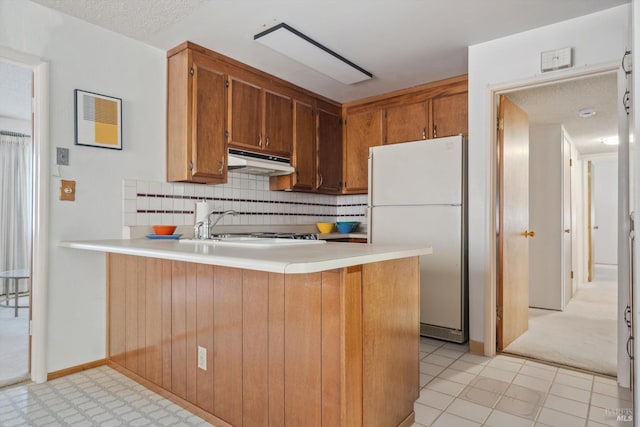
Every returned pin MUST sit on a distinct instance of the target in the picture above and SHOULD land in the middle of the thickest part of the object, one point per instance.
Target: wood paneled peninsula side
(315, 335)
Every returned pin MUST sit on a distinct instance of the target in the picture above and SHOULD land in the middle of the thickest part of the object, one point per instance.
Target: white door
(567, 258)
(605, 210)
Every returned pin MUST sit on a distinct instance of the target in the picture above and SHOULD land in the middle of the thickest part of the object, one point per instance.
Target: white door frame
(492, 94)
(40, 226)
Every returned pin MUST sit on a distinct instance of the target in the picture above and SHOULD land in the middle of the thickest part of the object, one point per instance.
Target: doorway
(571, 322)
(16, 220)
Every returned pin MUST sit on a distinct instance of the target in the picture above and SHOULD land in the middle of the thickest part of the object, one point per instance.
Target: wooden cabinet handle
(320, 183)
(424, 133)
(435, 131)
(259, 140)
(267, 142)
(221, 164)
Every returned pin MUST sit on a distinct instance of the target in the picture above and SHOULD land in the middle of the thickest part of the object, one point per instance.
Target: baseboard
(476, 347)
(72, 370)
(409, 421)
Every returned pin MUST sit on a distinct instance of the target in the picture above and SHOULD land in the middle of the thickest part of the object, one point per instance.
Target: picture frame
(98, 120)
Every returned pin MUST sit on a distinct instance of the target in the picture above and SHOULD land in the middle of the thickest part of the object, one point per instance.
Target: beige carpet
(14, 344)
(583, 335)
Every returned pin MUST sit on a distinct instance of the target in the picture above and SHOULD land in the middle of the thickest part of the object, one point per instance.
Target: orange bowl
(164, 230)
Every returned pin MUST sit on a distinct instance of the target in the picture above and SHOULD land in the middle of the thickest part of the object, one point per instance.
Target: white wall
(597, 39)
(83, 56)
(545, 216)
(15, 125)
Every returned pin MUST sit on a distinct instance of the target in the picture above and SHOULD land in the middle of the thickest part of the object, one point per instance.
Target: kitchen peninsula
(323, 334)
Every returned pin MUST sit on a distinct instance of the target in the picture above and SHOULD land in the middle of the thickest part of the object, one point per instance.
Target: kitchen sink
(253, 242)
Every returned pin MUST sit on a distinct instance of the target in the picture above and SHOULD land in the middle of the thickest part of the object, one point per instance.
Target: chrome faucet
(213, 224)
(203, 229)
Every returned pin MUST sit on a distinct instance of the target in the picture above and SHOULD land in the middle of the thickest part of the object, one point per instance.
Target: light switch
(62, 156)
(67, 190)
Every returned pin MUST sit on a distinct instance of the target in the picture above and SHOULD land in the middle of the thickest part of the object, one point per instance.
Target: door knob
(567, 230)
(529, 233)
(595, 227)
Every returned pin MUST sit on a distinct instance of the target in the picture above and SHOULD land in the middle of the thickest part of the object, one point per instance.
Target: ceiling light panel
(297, 46)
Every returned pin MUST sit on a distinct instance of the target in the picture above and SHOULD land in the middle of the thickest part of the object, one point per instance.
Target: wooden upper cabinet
(329, 152)
(363, 130)
(304, 158)
(245, 115)
(196, 99)
(278, 124)
(406, 122)
(450, 115)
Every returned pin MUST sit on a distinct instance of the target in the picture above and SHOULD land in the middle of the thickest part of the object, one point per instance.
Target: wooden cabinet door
(209, 150)
(406, 122)
(278, 124)
(450, 115)
(245, 115)
(363, 130)
(329, 152)
(304, 158)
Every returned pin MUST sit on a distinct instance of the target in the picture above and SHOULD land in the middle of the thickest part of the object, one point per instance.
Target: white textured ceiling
(138, 19)
(15, 91)
(402, 42)
(559, 104)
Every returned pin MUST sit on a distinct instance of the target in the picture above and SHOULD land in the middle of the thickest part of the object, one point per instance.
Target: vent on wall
(556, 59)
(299, 47)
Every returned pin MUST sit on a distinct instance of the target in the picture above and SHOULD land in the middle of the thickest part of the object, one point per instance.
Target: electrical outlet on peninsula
(202, 358)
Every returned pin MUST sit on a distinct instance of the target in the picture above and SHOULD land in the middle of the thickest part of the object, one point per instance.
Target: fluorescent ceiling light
(297, 46)
(610, 140)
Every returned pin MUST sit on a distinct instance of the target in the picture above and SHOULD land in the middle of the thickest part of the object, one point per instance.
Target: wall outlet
(202, 358)
(62, 156)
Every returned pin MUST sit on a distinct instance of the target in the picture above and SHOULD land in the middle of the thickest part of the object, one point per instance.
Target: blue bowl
(345, 227)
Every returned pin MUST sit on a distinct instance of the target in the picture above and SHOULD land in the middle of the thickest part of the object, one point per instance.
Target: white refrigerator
(418, 194)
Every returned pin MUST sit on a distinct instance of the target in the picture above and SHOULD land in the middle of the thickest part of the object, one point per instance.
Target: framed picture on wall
(98, 120)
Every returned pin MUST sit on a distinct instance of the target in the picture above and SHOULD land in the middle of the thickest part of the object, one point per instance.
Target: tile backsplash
(150, 202)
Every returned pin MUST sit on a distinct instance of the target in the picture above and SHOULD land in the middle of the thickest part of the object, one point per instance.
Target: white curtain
(15, 201)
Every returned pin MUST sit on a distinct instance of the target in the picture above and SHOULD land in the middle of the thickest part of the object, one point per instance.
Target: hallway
(583, 335)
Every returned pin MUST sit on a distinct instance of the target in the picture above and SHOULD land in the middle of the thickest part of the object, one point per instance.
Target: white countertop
(289, 259)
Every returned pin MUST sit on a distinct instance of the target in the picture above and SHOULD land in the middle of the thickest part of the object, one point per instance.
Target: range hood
(258, 164)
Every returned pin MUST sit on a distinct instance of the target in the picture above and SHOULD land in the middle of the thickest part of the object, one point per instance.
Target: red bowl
(164, 230)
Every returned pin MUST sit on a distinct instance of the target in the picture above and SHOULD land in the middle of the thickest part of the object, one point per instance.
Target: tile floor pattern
(458, 389)
(96, 397)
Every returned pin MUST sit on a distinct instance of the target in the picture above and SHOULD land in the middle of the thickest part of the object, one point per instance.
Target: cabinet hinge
(499, 312)
(226, 83)
(191, 71)
(570, 162)
(500, 124)
(226, 134)
(190, 165)
(572, 274)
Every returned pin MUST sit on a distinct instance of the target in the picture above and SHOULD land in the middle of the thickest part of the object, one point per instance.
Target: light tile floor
(458, 389)
(96, 397)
